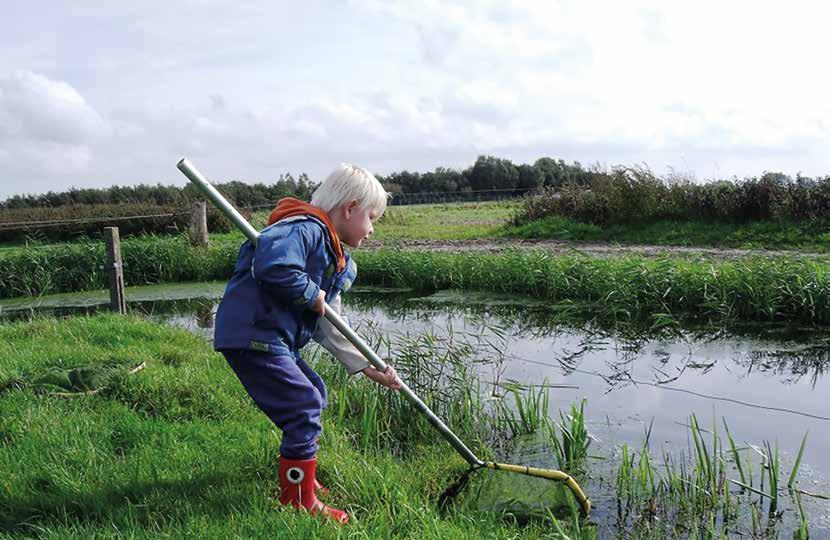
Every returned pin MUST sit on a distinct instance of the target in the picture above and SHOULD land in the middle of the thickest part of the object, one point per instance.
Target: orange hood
(290, 207)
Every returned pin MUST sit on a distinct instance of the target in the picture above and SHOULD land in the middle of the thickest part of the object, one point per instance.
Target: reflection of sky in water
(608, 371)
(621, 378)
(626, 383)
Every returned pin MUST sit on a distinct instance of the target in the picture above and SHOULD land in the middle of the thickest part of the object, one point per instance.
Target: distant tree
(557, 173)
(551, 173)
(441, 180)
(493, 173)
(530, 177)
(409, 182)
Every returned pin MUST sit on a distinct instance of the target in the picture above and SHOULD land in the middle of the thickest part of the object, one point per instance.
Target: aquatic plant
(528, 413)
(694, 489)
(797, 463)
(571, 445)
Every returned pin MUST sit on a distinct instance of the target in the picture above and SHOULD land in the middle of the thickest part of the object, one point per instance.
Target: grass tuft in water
(570, 438)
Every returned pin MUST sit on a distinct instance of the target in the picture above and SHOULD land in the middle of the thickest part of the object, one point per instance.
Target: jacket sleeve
(279, 265)
(336, 343)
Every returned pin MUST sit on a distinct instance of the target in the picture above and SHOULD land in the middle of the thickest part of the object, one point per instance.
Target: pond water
(767, 382)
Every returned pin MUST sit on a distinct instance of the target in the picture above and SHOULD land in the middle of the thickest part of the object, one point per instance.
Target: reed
(529, 412)
(571, 447)
(625, 288)
(637, 195)
(693, 490)
(797, 463)
(656, 292)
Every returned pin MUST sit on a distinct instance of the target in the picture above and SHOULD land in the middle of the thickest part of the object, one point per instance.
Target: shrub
(629, 195)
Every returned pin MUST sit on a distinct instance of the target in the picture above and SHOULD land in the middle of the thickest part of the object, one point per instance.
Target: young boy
(274, 304)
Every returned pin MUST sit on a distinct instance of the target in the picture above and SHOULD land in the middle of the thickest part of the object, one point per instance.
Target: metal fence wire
(396, 199)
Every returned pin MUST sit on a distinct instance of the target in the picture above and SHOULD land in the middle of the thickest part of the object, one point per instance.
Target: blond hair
(350, 183)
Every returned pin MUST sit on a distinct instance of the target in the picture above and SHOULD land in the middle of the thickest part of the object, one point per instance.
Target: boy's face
(355, 225)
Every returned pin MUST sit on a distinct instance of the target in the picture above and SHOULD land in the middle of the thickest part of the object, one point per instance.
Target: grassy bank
(80, 266)
(655, 290)
(628, 288)
(178, 450)
(804, 236)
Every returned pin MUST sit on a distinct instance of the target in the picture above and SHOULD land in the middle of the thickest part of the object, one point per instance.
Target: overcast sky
(100, 93)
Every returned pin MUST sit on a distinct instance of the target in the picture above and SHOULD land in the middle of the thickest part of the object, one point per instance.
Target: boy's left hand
(388, 378)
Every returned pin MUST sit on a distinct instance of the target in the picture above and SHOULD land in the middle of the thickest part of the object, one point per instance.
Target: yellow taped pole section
(550, 474)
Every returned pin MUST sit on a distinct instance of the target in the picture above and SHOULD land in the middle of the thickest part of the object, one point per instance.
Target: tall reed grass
(626, 288)
(39, 270)
(696, 488)
(653, 291)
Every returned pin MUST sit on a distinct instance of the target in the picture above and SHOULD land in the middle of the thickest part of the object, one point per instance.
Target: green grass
(456, 221)
(450, 221)
(466, 221)
(803, 236)
(80, 267)
(178, 450)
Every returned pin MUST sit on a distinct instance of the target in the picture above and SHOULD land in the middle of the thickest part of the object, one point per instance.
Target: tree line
(491, 173)
(244, 195)
(487, 173)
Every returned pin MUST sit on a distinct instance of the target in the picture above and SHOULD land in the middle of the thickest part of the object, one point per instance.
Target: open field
(461, 222)
(450, 221)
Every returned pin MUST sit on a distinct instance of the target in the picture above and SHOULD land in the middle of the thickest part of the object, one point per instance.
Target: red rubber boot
(297, 483)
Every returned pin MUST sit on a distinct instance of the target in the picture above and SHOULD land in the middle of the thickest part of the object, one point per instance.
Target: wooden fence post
(118, 302)
(198, 225)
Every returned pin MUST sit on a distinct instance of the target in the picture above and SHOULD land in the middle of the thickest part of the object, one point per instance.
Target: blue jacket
(267, 303)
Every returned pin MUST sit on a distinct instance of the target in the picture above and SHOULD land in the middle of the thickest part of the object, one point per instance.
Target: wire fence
(438, 197)
(27, 225)
(397, 199)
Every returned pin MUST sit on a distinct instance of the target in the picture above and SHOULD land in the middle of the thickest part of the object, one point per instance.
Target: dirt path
(596, 249)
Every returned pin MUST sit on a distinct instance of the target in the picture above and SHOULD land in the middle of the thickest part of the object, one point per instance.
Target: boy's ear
(351, 205)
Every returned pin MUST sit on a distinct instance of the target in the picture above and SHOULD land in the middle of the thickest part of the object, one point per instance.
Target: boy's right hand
(319, 306)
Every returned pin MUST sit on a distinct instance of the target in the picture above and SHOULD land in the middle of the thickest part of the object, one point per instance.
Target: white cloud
(598, 71)
(46, 127)
(731, 88)
(38, 109)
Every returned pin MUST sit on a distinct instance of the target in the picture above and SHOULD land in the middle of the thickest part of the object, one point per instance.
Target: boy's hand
(388, 378)
(319, 306)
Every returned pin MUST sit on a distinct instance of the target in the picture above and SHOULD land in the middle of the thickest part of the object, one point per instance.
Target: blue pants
(289, 392)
